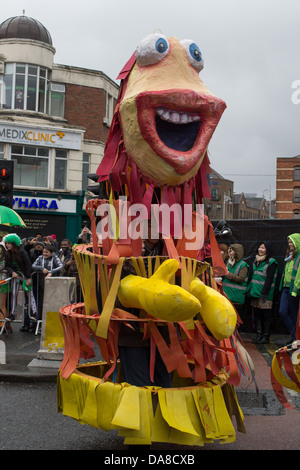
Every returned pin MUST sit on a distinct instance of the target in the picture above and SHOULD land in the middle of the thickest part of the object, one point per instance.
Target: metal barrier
(17, 303)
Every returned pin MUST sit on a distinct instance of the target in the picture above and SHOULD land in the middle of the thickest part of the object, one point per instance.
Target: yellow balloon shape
(217, 312)
(157, 296)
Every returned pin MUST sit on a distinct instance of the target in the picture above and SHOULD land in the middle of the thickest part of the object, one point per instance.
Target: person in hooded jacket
(261, 291)
(290, 286)
(46, 265)
(235, 283)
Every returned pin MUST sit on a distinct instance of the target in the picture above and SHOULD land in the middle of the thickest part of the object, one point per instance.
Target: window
(215, 193)
(297, 173)
(85, 169)
(31, 166)
(57, 103)
(219, 207)
(7, 86)
(1, 151)
(60, 172)
(109, 109)
(25, 87)
(296, 214)
(296, 197)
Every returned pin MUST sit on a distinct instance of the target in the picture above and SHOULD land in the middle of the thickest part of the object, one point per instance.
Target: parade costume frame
(145, 163)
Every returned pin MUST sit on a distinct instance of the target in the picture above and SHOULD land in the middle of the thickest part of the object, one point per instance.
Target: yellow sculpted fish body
(216, 310)
(157, 296)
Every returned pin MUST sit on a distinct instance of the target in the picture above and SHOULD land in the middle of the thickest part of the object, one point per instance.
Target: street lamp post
(226, 199)
(270, 208)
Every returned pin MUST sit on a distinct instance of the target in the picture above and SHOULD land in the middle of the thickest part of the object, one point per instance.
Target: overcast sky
(251, 51)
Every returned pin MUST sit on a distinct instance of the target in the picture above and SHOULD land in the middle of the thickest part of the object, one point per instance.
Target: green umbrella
(10, 217)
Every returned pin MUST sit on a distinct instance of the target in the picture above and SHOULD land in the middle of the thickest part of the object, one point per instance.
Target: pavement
(19, 358)
(19, 362)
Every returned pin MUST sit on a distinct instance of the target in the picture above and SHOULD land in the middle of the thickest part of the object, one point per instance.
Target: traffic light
(6, 183)
(98, 189)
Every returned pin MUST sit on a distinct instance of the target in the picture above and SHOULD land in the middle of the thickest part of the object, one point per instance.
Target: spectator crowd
(33, 259)
(257, 284)
(28, 262)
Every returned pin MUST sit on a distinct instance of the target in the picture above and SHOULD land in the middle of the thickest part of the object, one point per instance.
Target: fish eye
(194, 54)
(161, 45)
(152, 49)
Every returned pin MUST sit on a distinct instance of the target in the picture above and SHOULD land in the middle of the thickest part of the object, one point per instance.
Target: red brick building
(288, 188)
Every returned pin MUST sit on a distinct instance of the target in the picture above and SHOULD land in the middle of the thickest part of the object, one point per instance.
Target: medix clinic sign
(43, 137)
(134, 222)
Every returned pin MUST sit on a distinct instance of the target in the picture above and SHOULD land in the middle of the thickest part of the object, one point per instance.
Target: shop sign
(39, 204)
(42, 137)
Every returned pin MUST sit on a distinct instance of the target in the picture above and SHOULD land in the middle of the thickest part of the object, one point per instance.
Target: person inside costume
(236, 281)
(134, 348)
(18, 266)
(261, 291)
(290, 286)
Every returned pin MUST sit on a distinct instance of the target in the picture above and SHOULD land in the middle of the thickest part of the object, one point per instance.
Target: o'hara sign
(40, 204)
(41, 136)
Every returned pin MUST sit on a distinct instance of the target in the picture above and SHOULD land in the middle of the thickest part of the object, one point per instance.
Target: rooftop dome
(23, 27)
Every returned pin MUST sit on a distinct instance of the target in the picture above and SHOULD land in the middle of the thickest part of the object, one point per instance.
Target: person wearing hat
(18, 265)
(36, 251)
(290, 286)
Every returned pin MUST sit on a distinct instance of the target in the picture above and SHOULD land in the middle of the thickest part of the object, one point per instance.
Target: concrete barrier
(58, 291)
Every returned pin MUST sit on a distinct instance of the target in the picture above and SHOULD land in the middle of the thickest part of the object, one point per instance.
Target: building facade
(54, 121)
(248, 206)
(220, 205)
(288, 188)
(227, 205)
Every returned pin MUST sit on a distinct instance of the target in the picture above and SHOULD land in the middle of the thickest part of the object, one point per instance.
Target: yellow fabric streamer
(281, 378)
(174, 410)
(190, 415)
(110, 302)
(128, 411)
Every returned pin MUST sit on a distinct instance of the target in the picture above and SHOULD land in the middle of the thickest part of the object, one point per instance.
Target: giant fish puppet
(165, 301)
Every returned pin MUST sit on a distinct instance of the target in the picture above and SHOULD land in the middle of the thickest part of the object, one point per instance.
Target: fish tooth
(166, 115)
(175, 118)
(183, 118)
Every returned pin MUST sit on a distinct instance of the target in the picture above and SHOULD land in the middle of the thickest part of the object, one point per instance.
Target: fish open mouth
(177, 130)
(178, 124)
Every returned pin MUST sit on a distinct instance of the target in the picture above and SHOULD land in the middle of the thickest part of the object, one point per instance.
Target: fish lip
(207, 106)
